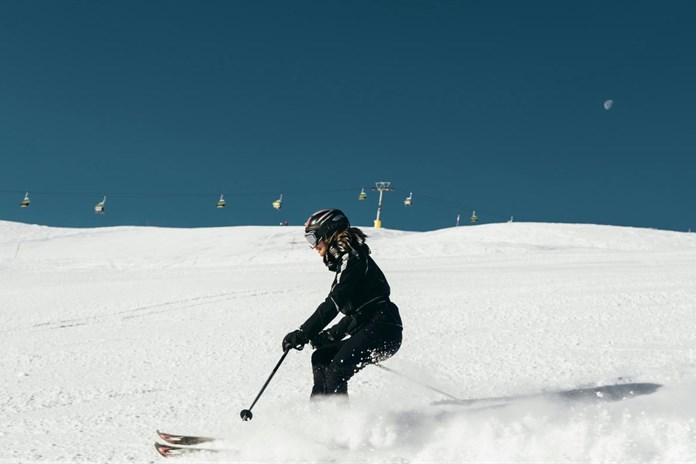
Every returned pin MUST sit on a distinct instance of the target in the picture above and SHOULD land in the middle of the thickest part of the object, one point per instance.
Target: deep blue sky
(489, 106)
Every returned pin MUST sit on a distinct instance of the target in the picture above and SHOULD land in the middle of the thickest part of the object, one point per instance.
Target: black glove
(295, 339)
(322, 339)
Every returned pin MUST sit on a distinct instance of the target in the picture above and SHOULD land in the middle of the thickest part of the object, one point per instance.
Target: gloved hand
(295, 339)
(322, 339)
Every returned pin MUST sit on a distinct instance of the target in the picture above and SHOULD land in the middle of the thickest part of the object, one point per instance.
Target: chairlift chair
(474, 218)
(99, 208)
(409, 200)
(362, 195)
(24, 203)
(278, 203)
(221, 202)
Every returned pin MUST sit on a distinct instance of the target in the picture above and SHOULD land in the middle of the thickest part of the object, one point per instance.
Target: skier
(359, 291)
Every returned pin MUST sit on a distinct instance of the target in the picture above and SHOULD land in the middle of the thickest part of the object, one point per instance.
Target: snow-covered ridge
(265, 244)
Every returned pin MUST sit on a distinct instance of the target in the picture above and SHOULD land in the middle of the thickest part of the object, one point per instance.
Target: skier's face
(321, 248)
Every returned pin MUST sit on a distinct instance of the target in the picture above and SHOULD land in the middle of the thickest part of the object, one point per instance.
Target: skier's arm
(339, 330)
(353, 268)
(335, 333)
(321, 317)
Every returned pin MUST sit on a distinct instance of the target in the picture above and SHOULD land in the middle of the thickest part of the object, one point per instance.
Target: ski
(185, 440)
(168, 450)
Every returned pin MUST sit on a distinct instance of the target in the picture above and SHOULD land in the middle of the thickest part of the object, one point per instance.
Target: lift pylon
(381, 187)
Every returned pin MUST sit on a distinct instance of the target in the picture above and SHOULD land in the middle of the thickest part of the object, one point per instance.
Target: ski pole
(429, 387)
(246, 413)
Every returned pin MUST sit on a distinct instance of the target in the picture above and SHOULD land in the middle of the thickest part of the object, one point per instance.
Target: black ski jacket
(359, 291)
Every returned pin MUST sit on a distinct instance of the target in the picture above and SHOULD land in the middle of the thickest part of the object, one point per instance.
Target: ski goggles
(312, 238)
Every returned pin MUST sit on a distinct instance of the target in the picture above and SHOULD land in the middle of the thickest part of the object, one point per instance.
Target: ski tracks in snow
(143, 311)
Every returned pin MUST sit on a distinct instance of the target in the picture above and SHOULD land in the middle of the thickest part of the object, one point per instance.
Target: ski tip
(184, 440)
(175, 450)
(166, 437)
(163, 450)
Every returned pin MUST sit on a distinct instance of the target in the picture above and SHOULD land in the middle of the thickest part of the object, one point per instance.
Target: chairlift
(474, 218)
(221, 201)
(24, 203)
(409, 200)
(278, 203)
(362, 195)
(99, 208)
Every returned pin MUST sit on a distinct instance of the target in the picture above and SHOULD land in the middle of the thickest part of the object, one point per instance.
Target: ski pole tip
(246, 415)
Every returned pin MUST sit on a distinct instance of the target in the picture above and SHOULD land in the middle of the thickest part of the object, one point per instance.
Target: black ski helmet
(323, 224)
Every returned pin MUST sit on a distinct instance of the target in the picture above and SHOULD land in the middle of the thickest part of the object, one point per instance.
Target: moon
(608, 104)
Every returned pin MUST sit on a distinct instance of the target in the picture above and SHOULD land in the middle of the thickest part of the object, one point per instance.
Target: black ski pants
(333, 365)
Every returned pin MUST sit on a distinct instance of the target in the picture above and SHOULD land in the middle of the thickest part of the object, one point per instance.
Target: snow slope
(108, 334)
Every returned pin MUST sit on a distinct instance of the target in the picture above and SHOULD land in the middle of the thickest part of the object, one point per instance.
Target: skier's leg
(374, 343)
(321, 358)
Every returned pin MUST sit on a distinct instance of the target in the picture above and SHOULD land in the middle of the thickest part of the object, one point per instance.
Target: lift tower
(381, 187)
